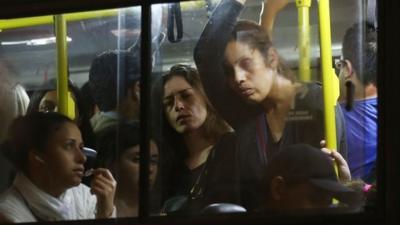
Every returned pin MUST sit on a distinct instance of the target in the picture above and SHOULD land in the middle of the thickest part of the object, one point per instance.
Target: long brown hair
(214, 125)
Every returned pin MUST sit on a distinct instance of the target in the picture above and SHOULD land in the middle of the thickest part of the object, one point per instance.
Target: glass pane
(232, 107)
(68, 169)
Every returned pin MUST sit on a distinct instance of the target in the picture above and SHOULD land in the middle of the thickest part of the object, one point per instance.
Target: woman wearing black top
(258, 96)
(203, 164)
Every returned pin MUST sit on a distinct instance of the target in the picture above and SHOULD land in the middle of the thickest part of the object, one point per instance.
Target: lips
(246, 92)
(79, 171)
(182, 117)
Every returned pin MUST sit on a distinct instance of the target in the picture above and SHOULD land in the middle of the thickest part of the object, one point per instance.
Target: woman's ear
(272, 58)
(35, 156)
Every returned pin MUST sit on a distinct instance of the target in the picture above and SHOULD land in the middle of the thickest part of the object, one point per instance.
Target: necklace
(197, 189)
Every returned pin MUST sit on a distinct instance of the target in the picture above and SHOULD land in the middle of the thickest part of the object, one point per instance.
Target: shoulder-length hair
(214, 126)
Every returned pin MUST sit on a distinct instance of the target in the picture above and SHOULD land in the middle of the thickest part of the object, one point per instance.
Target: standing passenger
(203, 148)
(114, 82)
(46, 148)
(358, 71)
(246, 81)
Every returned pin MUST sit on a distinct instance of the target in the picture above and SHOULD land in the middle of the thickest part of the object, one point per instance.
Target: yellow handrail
(41, 20)
(303, 7)
(330, 81)
(65, 104)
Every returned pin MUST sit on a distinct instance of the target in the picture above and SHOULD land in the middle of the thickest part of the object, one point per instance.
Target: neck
(129, 109)
(198, 146)
(361, 91)
(126, 200)
(127, 206)
(281, 96)
(41, 180)
(369, 91)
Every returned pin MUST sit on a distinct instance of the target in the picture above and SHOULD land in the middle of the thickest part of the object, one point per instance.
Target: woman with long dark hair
(252, 89)
(202, 146)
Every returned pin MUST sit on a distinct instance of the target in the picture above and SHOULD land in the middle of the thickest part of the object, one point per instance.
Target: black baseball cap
(303, 162)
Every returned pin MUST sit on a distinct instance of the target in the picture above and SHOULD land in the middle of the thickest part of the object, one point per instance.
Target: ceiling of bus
(35, 63)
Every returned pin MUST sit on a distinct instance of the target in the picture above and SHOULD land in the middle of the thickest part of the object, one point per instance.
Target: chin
(252, 101)
(75, 182)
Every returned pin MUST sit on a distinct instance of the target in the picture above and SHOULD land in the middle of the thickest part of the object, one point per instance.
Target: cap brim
(342, 193)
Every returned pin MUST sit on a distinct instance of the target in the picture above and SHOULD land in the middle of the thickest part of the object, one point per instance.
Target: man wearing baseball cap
(303, 177)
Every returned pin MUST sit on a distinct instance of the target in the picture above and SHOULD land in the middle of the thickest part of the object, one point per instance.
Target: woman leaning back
(259, 97)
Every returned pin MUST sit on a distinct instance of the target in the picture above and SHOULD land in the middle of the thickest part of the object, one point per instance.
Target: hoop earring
(349, 95)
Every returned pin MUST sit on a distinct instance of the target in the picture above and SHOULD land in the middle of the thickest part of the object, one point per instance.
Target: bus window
(230, 96)
(103, 68)
(255, 107)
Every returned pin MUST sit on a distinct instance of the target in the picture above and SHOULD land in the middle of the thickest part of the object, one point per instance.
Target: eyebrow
(178, 92)
(244, 56)
(74, 141)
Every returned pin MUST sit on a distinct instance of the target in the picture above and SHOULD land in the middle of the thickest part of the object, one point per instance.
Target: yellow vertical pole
(63, 97)
(303, 7)
(330, 82)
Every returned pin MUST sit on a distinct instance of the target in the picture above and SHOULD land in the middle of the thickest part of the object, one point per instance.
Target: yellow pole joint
(329, 80)
(65, 103)
(303, 3)
(303, 7)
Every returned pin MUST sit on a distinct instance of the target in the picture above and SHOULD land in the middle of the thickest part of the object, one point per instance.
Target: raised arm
(209, 58)
(270, 10)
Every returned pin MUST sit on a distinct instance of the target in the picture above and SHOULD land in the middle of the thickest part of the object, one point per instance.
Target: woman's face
(63, 157)
(184, 106)
(49, 103)
(251, 79)
(128, 167)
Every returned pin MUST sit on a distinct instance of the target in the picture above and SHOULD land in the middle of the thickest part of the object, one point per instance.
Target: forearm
(209, 53)
(214, 38)
(270, 11)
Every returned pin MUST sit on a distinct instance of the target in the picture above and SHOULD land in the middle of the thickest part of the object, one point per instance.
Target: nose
(239, 75)
(178, 104)
(80, 156)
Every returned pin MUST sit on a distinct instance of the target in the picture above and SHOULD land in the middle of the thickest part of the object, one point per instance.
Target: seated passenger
(45, 100)
(203, 168)
(46, 148)
(116, 95)
(303, 177)
(118, 150)
(258, 96)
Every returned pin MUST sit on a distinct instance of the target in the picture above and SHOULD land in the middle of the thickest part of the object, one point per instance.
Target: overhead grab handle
(174, 19)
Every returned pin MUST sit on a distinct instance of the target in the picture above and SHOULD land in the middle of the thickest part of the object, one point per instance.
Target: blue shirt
(362, 132)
